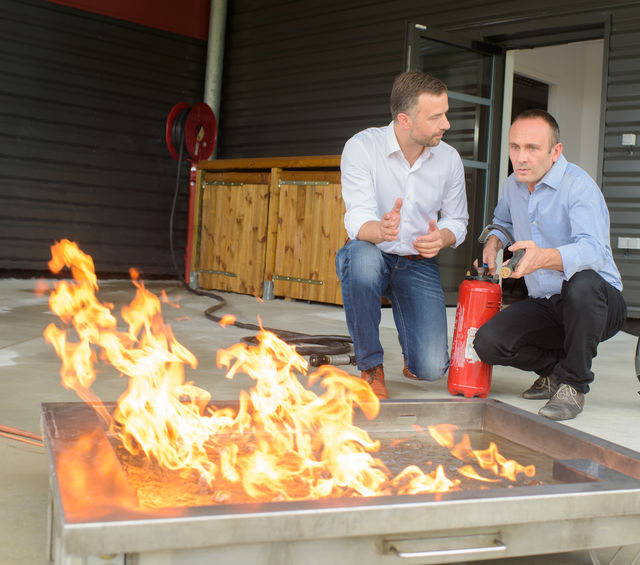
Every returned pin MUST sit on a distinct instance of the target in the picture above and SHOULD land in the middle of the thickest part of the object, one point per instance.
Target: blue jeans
(415, 292)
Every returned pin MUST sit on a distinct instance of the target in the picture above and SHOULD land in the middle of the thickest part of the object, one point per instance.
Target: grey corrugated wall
(621, 170)
(83, 102)
(301, 77)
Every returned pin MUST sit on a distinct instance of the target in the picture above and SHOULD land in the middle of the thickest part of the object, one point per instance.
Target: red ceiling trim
(184, 17)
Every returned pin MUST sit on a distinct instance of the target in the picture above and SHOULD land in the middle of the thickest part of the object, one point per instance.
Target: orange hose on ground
(18, 438)
(17, 432)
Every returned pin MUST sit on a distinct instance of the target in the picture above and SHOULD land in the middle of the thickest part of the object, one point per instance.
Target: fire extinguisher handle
(507, 270)
(482, 238)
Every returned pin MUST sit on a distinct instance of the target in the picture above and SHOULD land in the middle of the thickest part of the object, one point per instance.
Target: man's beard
(430, 141)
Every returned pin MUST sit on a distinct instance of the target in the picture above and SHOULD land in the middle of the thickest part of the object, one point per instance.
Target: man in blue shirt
(558, 215)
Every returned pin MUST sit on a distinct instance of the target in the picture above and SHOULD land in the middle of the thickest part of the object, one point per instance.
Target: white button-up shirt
(375, 173)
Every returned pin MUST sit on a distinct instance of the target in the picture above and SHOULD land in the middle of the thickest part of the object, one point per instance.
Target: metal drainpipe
(215, 56)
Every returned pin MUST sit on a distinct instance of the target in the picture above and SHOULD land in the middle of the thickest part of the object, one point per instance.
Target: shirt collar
(554, 175)
(392, 145)
(391, 141)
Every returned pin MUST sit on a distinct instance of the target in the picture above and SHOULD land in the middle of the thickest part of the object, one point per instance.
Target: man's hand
(535, 258)
(386, 229)
(390, 224)
(430, 244)
(489, 254)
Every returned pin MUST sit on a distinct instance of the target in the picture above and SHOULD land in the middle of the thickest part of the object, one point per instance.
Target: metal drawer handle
(498, 546)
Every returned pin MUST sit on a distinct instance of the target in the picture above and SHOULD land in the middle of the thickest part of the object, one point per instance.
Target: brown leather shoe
(407, 373)
(542, 388)
(565, 404)
(375, 377)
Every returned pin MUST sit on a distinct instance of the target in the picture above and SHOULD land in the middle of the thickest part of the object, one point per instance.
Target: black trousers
(557, 335)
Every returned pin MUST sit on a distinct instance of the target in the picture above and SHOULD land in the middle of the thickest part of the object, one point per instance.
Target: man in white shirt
(405, 198)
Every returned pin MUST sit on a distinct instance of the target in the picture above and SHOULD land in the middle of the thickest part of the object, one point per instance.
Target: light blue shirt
(375, 173)
(566, 211)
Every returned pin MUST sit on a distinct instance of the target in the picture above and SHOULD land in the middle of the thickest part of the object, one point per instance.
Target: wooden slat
(234, 236)
(271, 162)
(197, 223)
(235, 177)
(308, 242)
(272, 223)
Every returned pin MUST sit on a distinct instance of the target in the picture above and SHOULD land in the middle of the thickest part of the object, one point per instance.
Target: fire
(283, 442)
(489, 459)
(443, 434)
(75, 482)
(163, 294)
(227, 320)
(413, 481)
(492, 460)
(41, 288)
(470, 472)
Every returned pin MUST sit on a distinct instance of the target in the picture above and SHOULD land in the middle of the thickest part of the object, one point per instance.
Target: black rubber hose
(306, 344)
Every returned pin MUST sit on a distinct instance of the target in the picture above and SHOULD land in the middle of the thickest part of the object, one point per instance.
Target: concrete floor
(29, 371)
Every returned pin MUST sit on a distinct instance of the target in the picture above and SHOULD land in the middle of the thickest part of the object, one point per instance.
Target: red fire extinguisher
(479, 299)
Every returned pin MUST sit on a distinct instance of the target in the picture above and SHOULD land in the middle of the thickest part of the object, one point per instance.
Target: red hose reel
(192, 130)
(197, 126)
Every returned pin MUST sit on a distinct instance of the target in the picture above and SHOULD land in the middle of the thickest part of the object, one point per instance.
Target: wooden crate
(233, 231)
(272, 219)
(310, 232)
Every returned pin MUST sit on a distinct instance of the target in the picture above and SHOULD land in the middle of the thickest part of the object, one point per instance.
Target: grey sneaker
(565, 404)
(543, 387)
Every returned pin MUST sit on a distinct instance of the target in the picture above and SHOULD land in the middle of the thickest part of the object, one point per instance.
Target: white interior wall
(574, 75)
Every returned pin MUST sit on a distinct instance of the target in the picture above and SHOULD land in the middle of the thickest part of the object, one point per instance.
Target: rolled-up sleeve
(358, 190)
(454, 214)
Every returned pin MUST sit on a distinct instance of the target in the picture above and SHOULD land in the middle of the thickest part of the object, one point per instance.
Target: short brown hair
(532, 113)
(407, 87)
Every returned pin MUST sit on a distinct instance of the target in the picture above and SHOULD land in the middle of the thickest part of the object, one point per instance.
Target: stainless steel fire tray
(593, 501)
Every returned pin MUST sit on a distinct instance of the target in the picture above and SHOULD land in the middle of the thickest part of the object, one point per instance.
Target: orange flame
(413, 481)
(227, 320)
(284, 442)
(41, 287)
(471, 473)
(492, 460)
(443, 434)
(165, 298)
(81, 497)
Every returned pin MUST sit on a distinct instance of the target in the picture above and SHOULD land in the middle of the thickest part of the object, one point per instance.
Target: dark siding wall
(621, 172)
(301, 77)
(83, 101)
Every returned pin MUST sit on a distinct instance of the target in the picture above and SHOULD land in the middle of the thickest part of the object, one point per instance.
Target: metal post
(215, 56)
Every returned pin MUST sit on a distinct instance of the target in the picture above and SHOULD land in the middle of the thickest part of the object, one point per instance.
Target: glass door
(474, 73)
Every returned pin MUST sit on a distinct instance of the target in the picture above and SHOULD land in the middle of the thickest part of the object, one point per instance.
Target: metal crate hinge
(295, 279)
(211, 272)
(282, 182)
(206, 184)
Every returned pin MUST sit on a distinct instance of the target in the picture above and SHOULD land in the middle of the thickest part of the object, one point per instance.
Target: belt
(410, 257)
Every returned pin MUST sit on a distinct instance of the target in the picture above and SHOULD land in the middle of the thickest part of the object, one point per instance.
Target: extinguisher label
(469, 351)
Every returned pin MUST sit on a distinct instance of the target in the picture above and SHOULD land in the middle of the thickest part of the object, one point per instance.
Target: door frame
(412, 38)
